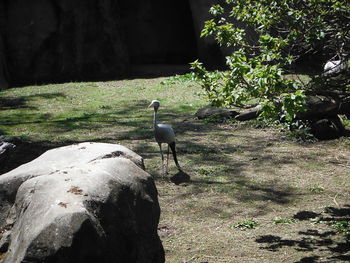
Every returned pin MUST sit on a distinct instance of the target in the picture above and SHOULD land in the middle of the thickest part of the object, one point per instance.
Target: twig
(192, 258)
(334, 198)
(340, 164)
(335, 201)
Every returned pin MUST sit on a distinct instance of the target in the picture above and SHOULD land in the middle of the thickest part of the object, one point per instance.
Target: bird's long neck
(155, 118)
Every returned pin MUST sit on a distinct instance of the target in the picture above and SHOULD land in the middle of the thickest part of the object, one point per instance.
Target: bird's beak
(149, 106)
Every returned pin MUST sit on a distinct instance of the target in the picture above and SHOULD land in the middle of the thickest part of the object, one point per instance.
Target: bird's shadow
(180, 177)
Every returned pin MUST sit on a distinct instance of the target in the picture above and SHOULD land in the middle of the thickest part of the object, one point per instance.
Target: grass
(241, 173)
(316, 188)
(286, 220)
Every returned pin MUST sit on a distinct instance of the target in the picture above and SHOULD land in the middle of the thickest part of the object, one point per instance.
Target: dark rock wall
(3, 66)
(208, 51)
(63, 40)
(159, 31)
(44, 41)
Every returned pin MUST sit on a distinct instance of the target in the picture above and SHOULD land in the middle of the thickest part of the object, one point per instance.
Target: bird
(164, 134)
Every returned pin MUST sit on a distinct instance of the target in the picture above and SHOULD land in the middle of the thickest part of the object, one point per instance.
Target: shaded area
(23, 101)
(154, 34)
(313, 240)
(57, 41)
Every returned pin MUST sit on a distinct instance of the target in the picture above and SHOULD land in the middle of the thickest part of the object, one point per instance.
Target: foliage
(300, 131)
(267, 37)
(247, 224)
(342, 226)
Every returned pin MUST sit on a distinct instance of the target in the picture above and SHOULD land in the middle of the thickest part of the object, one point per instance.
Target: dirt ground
(286, 196)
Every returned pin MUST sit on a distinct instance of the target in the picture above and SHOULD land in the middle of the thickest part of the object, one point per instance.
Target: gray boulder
(88, 202)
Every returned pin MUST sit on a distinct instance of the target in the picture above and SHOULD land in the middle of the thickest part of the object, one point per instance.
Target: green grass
(286, 220)
(238, 171)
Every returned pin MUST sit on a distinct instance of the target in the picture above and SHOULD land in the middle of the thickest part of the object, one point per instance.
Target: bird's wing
(164, 133)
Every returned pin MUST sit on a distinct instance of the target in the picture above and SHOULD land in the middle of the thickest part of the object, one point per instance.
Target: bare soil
(241, 174)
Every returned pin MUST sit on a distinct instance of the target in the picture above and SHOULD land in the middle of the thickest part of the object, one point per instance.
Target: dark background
(45, 41)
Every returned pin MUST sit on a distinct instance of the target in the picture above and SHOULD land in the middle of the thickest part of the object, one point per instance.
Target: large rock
(89, 202)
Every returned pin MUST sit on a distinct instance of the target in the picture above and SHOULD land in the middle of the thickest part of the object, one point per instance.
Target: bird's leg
(167, 161)
(172, 147)
(161, 153)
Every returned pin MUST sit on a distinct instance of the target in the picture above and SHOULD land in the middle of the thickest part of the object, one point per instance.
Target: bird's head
(155, 104)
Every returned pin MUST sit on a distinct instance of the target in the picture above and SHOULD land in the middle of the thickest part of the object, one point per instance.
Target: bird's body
(164, 134)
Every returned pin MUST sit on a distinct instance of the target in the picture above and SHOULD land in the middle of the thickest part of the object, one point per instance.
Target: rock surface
(89, 202)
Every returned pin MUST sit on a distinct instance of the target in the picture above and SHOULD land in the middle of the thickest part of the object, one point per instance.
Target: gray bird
(164, 134)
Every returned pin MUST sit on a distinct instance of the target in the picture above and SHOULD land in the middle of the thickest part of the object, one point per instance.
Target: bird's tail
(173, 150)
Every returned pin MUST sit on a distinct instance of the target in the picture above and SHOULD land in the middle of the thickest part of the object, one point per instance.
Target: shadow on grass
(22, 101)
(311, 240)
(133, 122)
